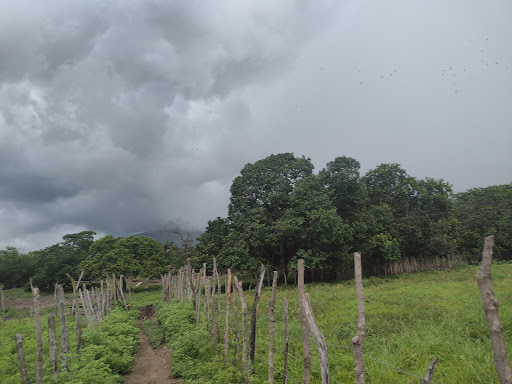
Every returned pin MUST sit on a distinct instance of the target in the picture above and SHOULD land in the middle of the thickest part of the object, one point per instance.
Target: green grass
(411, 319)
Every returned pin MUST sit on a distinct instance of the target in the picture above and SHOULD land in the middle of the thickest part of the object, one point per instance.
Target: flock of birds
(449, 74)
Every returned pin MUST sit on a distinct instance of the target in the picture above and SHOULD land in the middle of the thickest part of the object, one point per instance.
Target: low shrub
(155, 332)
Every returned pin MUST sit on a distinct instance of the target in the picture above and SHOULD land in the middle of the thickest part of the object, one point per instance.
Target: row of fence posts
(94, 304)
(186, 284)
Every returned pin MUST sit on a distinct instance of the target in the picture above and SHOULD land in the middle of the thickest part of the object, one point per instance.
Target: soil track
(151, 365)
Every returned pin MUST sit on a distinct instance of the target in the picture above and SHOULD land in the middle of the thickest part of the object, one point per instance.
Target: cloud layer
(117, 116)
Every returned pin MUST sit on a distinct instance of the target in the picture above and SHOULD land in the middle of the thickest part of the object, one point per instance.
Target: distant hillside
(165, 234)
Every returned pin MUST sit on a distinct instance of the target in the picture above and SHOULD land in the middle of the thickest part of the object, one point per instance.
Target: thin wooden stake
(52, 342)
(240, 289)
(253, 317)
(39, 336)
(3, 304)
(21, 359)
(358, 340)
(78, 321)
(286, 342)
(490, 304)
(271, 330)
(429, 375)
(306, 373)
(64, 344)
(226, 322)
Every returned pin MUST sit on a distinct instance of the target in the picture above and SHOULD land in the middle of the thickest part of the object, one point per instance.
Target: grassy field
(411, 318)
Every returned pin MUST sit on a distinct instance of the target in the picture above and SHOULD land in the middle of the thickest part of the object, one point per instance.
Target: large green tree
(260, 197)
(53, 262)
(128, 256)
(15, 268)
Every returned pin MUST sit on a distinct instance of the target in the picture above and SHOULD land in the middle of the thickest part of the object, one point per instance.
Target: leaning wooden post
(357, 341)
(64, 345)
(39, 336)
(490, 304)
(240, 289)
(429, 375)
(52, 341)
(286, 342)
(271, 330)
(319, 340)
(21, 359)
(226, 322)
(253, 317)
(306, 373)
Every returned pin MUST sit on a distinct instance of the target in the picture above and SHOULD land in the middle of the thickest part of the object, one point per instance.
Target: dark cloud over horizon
(119, 116)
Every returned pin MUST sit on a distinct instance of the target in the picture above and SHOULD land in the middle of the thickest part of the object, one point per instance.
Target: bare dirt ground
(152, 365)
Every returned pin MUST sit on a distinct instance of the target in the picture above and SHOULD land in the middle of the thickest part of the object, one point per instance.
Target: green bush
(192, 355)
(108, 351)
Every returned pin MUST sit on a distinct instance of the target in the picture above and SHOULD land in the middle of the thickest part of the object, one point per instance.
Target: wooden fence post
(21, 359)
(306, 373)
(429, 375)
(3, 304)
(226, 322)
(237, 332)
(52, 341)
(240, 289)
(253, 317)
(39, 336)
(271, 330)
(78, 321)
(490, 304)
(357, 341)
(64, 345)
(286, 342)
(319, 340)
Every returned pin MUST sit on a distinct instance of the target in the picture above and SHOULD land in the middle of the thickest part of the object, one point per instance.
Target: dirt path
(151, 365)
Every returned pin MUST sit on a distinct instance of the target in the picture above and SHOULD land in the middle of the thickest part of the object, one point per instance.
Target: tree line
(280, 211)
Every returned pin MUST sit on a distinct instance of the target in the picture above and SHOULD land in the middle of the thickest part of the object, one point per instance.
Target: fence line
(181, 286)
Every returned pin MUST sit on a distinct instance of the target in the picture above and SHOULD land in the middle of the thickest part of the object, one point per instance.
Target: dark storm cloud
(118, 116)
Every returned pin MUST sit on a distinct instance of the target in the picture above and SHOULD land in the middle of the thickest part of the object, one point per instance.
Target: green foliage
(15, 268)
(260, 197)
(107, 351)
(192, 356)
(155, 332)
(129, 256)
(483, 212)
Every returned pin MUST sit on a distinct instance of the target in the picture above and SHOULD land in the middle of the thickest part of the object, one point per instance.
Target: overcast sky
(118, 116)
